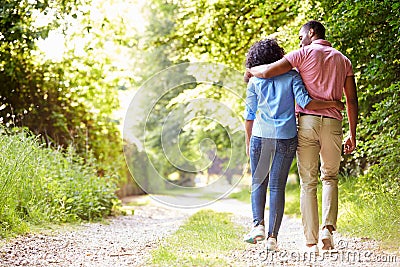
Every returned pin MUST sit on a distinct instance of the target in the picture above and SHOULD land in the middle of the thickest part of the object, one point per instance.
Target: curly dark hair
(264, 52)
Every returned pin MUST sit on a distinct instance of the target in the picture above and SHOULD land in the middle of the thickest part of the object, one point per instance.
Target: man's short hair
(317, 26)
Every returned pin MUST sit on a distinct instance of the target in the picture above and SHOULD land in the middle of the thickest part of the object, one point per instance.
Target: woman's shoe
(256, 234)
(272, 244)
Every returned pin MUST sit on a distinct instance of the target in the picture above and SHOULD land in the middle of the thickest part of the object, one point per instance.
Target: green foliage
(205, 237)
(223, 31)
(162, 92)
(381, 135)
(40, 184)
(292, 199)
(370, 209)
(368, 33)
(158, 55)
(31, 93)
(69, 100)
(243, 195)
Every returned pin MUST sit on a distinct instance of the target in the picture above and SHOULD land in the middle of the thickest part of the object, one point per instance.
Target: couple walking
(272, 138)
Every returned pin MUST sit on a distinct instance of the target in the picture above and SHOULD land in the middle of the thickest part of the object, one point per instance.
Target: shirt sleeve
(299, 90)
(295, 58)
(251, 102)
(349, 68)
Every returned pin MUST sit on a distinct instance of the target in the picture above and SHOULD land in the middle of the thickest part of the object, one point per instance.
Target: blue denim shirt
(271, 104)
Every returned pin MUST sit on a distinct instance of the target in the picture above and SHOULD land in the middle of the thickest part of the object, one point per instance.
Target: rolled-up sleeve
(349, 67)
(251, 102)
(299, 90)
(295, 57)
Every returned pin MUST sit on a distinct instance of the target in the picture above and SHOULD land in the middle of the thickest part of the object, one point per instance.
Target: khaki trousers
(319, 138)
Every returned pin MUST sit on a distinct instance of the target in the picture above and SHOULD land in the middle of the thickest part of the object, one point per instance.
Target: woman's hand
(247, 75)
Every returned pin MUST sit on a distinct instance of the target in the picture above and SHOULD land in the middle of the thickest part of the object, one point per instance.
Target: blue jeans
(270, 161)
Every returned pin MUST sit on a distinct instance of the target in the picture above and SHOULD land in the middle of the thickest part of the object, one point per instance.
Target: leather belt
(320, 116)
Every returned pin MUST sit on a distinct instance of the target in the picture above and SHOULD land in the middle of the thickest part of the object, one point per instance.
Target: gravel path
(348, 251)
(128, 240)
(124, 241)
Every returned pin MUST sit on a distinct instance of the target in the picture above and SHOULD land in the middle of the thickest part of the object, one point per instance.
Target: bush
(380, 146)
(40, 184)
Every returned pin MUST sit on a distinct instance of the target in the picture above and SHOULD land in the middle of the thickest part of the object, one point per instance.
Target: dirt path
(128, 240)
(124, 241)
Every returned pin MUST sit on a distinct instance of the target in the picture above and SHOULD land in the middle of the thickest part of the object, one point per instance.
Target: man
(326, 74)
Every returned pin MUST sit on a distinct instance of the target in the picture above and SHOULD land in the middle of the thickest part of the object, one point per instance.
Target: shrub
(41, 184)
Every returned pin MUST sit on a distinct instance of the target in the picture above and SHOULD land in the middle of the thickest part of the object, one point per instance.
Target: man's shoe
(327, 239)
(272, 244)
(256, 234)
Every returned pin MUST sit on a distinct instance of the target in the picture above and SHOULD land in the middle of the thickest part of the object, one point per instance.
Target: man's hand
(352, 113)
(349, 144)
(339, 105)
(247, 76)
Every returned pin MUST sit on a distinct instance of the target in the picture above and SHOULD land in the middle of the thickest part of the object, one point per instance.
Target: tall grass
(39, 184)
(363, 211)
(369, 213)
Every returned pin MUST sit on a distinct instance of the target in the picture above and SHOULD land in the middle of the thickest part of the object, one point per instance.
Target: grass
(201, 241)
(292, 198)
(242, 195)
(375, 216)
(40, 185)
(292, 204)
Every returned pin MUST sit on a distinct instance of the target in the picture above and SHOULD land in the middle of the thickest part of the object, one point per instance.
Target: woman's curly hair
(264, 52)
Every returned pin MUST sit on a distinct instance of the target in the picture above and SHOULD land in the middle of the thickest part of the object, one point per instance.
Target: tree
(221, 31)
(177, 123)
(68, 100)
(26, 87)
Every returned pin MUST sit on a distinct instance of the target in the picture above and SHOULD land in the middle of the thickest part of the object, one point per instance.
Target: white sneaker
(327, 239)
(313, 250)
(272, 244)
(256, 234)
